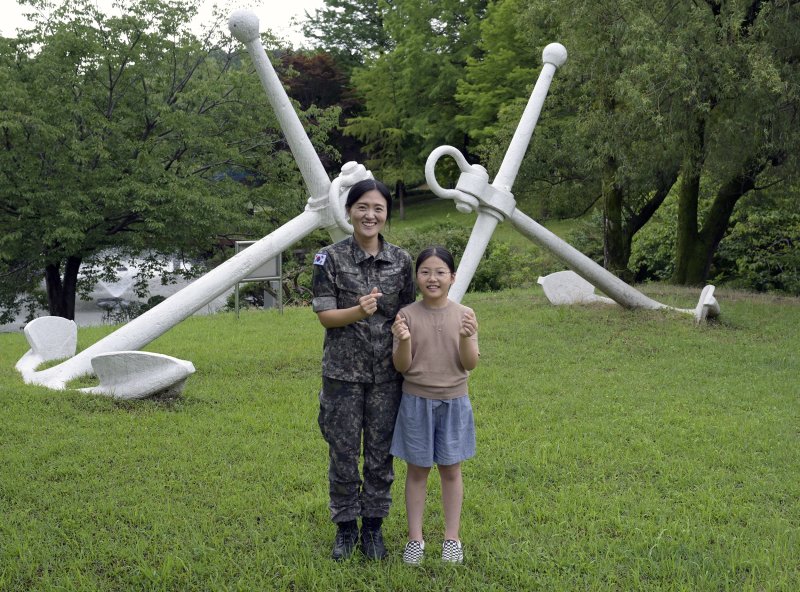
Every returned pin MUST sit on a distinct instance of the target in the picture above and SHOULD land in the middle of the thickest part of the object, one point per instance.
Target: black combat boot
(372, 538)
(345, 541)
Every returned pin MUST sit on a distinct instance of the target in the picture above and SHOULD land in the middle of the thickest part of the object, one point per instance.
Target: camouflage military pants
(348, 411)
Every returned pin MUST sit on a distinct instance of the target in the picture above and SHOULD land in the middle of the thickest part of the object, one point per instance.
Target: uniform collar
(360, 255)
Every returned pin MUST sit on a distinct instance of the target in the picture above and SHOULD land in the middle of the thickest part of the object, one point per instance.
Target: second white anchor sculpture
(495, 203)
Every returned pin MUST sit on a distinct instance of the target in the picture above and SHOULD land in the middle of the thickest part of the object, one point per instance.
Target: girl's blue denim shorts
(431, 431)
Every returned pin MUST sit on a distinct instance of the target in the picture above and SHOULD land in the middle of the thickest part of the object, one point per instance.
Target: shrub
(653, 247)
(761, 252)
(587, 236)
(453, 238)
(758, 253)
(502, 266)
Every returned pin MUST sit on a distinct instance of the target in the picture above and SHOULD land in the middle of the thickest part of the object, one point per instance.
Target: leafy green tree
(351, 29)
(502, 73)
(738, 106)
(409, 92)
(591, 145)
(493, 93)
(759, 251)
(698, 98)
(128, 134)
(350, 32)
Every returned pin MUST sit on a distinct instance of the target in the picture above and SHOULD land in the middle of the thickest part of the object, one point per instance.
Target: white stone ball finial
(243, 25)
(555, 54)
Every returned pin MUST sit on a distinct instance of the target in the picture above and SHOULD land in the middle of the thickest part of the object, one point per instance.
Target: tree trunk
(689, 259)
(61, 291)
(695, 248)
(400, 194)
(718, 219)
(616, 242)
(665, 181)
(688, 247)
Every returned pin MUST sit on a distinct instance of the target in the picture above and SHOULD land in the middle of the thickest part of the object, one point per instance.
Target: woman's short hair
(360, 188)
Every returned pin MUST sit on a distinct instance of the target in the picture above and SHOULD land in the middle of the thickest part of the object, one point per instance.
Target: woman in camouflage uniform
(359, 285)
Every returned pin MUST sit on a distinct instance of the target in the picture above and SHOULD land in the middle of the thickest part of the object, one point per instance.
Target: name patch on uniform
(319, 258)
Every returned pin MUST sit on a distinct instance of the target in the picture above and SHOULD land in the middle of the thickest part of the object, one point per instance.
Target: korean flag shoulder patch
(319, 258)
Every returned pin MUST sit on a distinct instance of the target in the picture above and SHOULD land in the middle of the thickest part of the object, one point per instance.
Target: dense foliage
(671, 131)
(698, 100)
(129, 135)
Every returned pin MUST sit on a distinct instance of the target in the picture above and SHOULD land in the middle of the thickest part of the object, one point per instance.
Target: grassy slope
(425, 211)
(616, 451)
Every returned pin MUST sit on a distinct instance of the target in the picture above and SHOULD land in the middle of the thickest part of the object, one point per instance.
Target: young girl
(435, 347)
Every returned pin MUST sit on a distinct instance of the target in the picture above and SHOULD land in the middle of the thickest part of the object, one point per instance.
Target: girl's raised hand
(400, 328)
(369, 303)
(469, 324)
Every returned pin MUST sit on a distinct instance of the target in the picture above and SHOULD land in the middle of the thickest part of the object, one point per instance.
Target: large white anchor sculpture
(495, 203)
(125, 372)
(145, 374)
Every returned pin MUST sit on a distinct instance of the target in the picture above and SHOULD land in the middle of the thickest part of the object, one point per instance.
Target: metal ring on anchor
(352, 173)
(336, 207)
(464, 203)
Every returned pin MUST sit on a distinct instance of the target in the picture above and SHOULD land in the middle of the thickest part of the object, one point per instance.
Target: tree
(591, 144)
(317, 79)
(740, 107)
(409, 92)
(556, 178)
(353, 30)
(698, 98)
(128, 133)
(759, 252)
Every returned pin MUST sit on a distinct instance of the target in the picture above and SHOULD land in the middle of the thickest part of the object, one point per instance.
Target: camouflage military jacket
(343, 272)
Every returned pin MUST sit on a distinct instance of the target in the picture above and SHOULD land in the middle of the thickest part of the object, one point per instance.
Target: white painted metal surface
(567, 287)
(50, 338)
(323, 210)
(137, 375)
(495, 203)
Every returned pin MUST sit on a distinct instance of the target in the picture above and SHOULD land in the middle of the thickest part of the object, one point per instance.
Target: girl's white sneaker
(413, 553)
(452, 552)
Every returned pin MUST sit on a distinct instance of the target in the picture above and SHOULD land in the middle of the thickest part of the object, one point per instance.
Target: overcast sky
(272, 14)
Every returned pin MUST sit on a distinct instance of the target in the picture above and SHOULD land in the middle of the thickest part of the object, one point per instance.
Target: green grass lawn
(617, 450)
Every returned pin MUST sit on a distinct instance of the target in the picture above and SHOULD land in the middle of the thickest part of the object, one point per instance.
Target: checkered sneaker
(412, 554)
(452, 552)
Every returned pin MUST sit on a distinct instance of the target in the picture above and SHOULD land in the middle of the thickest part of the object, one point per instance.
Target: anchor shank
(522, 135)
(593, 273)
(478, 240)
(307, 160)
(161, 318)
